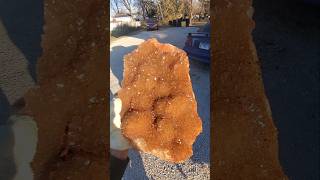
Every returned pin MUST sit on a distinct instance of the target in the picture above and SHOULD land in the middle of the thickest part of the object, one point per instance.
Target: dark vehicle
(152, 24)
(197, 45)
(315, 2)
(205, 29)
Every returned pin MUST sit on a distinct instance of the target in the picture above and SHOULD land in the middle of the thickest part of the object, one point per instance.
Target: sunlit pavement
(15, 80)
(145, 166)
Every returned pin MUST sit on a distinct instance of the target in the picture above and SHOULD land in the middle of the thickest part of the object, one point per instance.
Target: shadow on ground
(287, 40)
(7, 165)
(23, 21)
(201, 148)
(135, 166)
(5, 109)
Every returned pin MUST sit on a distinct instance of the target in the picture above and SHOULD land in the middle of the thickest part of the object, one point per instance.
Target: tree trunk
(160, 10)
(190, 18)
(143, 10)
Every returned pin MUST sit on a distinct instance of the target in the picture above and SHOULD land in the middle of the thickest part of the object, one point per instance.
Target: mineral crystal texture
(244, 143)
(69, 103)
(159, 110)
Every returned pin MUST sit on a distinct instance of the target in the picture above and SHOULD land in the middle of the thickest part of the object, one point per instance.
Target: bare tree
(149, 8)
(197, 8)
(128, 5)
(190, 13)
(165, 9)
(205, 5)
(140, 4)
(172, 9)
(159, 9)
(115, 6)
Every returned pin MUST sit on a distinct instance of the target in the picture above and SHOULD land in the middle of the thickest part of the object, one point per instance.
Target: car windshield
(151, 21)
(206, 28)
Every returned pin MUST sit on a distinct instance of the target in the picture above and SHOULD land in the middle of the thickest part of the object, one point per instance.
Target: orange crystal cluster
(159, 112)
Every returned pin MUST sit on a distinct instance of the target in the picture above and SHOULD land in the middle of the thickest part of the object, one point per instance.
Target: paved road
(20, 34)
(145, 166)
(14, 80)
(287, 38)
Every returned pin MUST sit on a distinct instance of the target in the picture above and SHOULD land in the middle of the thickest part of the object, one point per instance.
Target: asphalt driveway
(287, 37)
(20, 35)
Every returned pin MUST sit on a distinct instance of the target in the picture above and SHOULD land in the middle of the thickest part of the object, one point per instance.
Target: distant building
(137, 16)
(121, 17)
(124, 19)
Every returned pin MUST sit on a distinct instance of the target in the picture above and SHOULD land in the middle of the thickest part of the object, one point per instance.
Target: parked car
(313, 2)
(152, 24)
(205, 29)
(197, 45)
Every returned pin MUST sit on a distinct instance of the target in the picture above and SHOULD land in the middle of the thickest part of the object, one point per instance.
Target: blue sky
(121, 7)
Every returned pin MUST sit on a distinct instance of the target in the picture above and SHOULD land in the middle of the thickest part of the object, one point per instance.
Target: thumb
(116, 119)
(25, 141)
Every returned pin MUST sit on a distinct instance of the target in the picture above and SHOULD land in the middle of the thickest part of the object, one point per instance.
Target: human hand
(119, 145)
(25, 135)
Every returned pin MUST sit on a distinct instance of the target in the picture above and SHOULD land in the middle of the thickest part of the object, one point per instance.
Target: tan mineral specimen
(69, 103)
(244, 139)
(159, 113)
